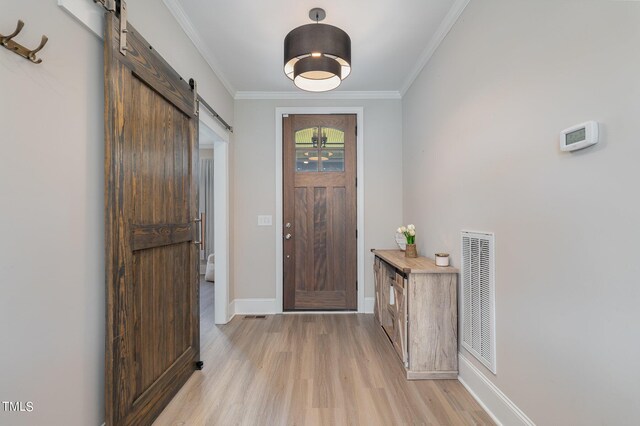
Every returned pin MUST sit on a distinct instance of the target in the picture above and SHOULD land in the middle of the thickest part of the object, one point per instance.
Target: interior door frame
(220, 214)
(359, 112)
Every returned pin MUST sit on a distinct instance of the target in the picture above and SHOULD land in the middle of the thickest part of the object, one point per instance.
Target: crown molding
(391, 94)
(445, 26)
(180, 15)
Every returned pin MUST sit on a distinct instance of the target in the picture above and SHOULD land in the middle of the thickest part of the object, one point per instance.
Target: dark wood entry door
(320, 250)
(151, 155)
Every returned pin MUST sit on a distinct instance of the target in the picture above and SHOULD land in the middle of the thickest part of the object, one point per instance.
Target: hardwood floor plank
(309, 370)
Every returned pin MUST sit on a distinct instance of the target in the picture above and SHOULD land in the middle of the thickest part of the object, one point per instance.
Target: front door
(151, 190)
(320, 250)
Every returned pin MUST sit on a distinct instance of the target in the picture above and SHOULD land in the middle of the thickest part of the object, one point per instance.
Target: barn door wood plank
(151, 191)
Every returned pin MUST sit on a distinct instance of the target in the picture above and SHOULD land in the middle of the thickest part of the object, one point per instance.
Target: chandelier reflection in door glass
(319, 149)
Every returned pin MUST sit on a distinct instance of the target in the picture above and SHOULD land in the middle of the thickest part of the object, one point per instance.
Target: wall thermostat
(580, 136)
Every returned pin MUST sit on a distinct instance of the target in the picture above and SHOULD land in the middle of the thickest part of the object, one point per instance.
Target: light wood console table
(416, 305)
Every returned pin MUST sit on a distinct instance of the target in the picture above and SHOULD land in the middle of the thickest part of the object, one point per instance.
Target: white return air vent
(478, 297)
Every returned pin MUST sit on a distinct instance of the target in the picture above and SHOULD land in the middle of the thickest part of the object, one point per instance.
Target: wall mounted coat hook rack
(7, 42)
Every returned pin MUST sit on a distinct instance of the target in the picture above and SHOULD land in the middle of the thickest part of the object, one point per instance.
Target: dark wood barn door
(320, 251)
(151, 191)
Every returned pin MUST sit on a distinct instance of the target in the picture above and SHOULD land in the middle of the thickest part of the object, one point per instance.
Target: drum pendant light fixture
(317, 57)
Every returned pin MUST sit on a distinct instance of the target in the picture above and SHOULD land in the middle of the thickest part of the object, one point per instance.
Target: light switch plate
(265, 220)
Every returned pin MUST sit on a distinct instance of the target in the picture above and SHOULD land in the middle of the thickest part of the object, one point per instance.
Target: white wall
(480, 150)
(52, 303)
(254, 186)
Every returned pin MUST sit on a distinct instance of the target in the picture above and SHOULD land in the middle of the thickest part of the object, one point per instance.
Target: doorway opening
(206, 208)
(214, 201)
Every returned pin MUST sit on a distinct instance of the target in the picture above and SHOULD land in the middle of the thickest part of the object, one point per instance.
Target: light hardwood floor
(309, 370)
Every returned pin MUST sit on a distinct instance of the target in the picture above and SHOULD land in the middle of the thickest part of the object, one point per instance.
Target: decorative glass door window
(319, 149)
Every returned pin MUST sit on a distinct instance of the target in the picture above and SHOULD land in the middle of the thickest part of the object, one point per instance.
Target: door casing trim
(359, 112)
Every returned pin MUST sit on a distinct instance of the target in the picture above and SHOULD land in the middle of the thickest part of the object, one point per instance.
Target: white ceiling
(243, 40)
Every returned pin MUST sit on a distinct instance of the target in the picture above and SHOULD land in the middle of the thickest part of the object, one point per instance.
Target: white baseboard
(253, 307)
(501, 409)
(368, 304)
(231, 311)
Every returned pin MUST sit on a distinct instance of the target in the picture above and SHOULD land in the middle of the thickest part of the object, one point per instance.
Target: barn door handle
(201, 222)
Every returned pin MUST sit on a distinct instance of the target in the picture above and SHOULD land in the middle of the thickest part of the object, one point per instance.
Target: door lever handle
(287, 237)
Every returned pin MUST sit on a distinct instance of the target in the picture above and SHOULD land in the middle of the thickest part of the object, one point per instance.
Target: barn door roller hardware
(7, 42)
(120, 8)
